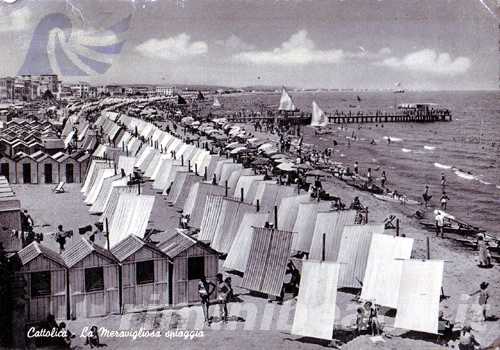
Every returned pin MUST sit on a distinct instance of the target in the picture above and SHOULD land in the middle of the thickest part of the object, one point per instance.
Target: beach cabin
(26, 169)
(8, 169)
(84, 161)
(69, 169)
(144, 274)
(93, 280)
(48, 170)
(10, 218)
(45, 274)
(191, 259)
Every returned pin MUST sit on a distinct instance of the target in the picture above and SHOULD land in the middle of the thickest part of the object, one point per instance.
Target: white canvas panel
(419, 295)
(383, 270)
(315, 309)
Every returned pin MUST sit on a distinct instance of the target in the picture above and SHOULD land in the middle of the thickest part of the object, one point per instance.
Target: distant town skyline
(424, 45)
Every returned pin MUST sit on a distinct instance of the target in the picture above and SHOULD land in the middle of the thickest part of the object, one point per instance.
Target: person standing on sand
(483, 298)
(356, 167)
(204, 292)
(444, 201)
(222, 294)
(443, 181)
(383, 179)
(439, 223)
(426, 196)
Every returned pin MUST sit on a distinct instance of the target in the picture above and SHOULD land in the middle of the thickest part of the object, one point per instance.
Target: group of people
(224, 294)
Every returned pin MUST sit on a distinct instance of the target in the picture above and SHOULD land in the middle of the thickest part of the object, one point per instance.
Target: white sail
(217, 102)
(286, 103)
(318, 116)
(398, 88)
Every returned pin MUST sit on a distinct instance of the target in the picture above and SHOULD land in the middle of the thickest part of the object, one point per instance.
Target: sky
(372, 44)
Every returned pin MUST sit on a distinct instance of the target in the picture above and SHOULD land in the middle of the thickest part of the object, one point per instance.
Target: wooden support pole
(189, 165)
(107, 232)
(323, 247)
(214, 180)
(428, 248)
(196, 169)
(205, 174)
(182, 159)
(397, 227)
(276, 217)
(258, 205)
(241, 194)
(366, 217)
(225, 188)
(139, 187)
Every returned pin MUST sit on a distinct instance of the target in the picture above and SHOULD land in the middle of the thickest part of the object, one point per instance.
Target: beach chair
(59, 188)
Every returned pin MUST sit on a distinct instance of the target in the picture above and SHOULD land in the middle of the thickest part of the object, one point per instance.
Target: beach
(461, 276)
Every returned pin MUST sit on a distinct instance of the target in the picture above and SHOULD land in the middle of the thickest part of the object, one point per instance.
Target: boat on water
(398, 88)
(396, 199)
(286, 102)
(318, 119)
(217, 103)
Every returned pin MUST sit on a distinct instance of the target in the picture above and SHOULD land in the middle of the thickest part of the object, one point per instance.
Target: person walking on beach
(204, 292)
(483, 298)
(383, 178)
(222, 295)
(443, 181)
(426, 196)
(484, 252)
(439, 223)
(444, 201)
(356, 170)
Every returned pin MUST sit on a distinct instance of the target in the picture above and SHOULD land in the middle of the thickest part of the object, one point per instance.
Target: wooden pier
(416, 117)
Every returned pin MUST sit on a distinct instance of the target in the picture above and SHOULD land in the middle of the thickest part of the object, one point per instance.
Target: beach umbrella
(261, 161)
(317, 173)
(269, 151)
(278, 155)
(187, 120)
(265, 146)
(303, 166)
(238, 150)
(282, 160)
(286, 167)
(234, 145)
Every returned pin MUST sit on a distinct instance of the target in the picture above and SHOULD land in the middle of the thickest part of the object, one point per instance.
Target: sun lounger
(59, 188)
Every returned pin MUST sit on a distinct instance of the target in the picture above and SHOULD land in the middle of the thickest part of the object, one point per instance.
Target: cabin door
(27, 173)
(69, 173)
(4, 170)
(47, 171)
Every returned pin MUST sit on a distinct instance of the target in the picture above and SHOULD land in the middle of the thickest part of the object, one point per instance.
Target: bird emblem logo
(57, 48)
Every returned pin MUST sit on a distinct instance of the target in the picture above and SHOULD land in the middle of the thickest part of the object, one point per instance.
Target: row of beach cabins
(229, 208)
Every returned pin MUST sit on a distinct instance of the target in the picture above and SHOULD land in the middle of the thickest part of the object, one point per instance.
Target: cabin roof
(131, 245)
(179, 243)
(34, 249)
(81, 250)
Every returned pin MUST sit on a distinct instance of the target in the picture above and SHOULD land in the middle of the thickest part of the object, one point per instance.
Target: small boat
(318, 116)
(452, 228)
(400, 199)
(286, 103)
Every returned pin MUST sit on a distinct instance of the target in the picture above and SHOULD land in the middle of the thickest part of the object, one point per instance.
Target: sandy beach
(270, 325)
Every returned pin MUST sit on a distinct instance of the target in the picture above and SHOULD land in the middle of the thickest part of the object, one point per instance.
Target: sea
(466, 150)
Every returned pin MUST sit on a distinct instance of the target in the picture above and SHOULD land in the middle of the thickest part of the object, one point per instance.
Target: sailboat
(286, 103)
(217, 103)
(318, 116)
(399, 88)
(181, 100)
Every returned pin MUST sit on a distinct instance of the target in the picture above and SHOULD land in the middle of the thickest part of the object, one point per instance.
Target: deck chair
(59, 188)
